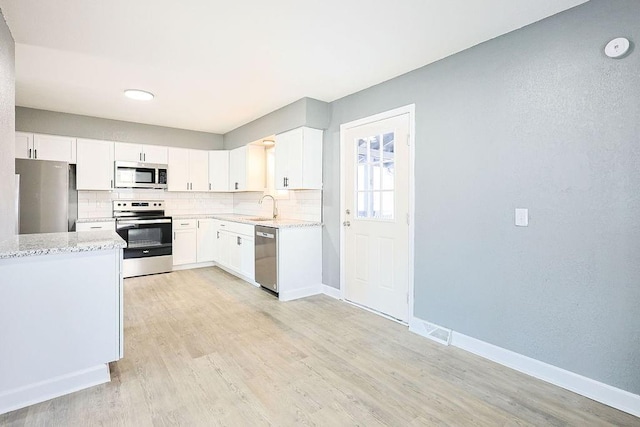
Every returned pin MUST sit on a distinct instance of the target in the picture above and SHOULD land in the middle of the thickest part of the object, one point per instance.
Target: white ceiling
(217, 64)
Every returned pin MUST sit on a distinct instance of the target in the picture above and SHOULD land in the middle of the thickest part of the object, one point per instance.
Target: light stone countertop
(249, 219)
(102, 219)
(25, 245)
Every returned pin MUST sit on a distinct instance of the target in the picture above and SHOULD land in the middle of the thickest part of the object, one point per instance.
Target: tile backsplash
(295, 204)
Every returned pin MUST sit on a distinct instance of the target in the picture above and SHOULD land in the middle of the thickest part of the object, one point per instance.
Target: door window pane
(375, 176)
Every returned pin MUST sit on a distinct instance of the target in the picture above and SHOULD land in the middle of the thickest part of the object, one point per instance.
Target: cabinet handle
(140, 156)
(96, 227)
(209, 186)
(174, 235)
(187, 186)
(284, 182)
(35, 153)
(29, 154)
(236, 185)
(198, 223)
(111, 183)
(191, 186)
(217, 234)
(144, 156)
(239, 240)
(184, 224)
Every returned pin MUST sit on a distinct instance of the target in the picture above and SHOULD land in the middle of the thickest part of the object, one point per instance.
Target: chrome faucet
(275, 204)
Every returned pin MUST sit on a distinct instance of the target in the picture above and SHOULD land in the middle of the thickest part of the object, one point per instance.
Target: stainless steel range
(147, 231)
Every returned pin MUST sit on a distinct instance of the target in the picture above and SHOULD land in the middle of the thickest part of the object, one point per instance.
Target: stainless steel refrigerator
(47, 196)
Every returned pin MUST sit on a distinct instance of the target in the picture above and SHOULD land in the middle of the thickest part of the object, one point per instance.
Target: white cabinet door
(126, 152)
(219, 170)
(224, 240)
(52, 147)
(238, 169)
(206, 236)
(247, 257)
(188, 170)
(198, 170)
(24, 145)
(247, 168)
(178, 173)
(155, 154)
(95, 164)
(184, 246)
(298, 159)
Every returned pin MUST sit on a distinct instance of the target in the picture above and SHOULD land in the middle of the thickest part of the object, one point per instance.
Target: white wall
(7, 130)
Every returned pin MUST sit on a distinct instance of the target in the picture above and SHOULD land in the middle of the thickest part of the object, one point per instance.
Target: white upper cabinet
(298, 159)
(188, 170)
(247, 168)
(140, 153)
(219, 170)
(95, 169)
(24, 145)
(45, 147)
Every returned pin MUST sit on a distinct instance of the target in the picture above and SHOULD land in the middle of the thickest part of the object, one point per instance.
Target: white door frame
(411, 110)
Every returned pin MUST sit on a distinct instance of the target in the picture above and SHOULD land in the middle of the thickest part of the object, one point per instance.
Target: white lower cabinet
(184, 242)
(206, 236)
(236, 249)
(96, 226)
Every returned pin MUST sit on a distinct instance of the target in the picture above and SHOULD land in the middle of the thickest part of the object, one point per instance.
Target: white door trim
(407, 109)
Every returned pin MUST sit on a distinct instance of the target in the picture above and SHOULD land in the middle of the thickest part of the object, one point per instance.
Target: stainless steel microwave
(140, 175)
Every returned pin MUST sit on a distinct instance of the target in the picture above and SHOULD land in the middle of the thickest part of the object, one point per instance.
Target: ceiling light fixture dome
(138, 95)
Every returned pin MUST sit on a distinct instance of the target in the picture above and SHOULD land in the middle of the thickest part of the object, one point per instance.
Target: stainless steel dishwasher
(267, 257)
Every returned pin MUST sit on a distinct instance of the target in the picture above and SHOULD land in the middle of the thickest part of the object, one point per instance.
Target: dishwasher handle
(267, 235)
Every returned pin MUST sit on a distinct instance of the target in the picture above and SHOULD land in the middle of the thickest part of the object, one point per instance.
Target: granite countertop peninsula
(251, 219)
(25, 245)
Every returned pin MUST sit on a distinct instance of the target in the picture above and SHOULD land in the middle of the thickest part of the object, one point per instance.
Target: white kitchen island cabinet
(61, 313)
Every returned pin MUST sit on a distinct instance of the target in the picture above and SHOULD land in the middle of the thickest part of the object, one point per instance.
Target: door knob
(347, 224)
(348, 211)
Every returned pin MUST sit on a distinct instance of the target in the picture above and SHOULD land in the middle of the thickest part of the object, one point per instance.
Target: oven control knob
(119, 204)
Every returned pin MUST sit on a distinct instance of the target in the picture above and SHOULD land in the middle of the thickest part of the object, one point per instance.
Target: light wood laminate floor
(205, 348)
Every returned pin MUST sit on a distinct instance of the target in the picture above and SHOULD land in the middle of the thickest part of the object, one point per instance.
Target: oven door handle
(125, 227)
(145, 221)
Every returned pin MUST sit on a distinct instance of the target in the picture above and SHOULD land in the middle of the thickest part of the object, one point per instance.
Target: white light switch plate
(522, 217)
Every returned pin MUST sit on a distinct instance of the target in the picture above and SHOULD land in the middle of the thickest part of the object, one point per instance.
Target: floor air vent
(431, 331)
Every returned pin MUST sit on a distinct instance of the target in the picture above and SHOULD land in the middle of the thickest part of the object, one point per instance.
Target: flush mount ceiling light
(138, 95)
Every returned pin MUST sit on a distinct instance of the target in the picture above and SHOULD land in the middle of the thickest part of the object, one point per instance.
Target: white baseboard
(595, 390)
(331, 291)
(59, 386)
(300, 293)
(190, 266)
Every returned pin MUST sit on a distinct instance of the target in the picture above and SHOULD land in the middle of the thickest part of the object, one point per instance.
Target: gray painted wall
(55, 123)
(304, 112)
(7, 140)
(541, 119)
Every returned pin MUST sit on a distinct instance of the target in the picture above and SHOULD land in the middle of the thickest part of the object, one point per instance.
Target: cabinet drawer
(237, 227)
(102, 225)
(184, 224)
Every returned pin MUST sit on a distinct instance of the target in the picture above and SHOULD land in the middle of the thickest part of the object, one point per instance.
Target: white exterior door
(376, 230)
